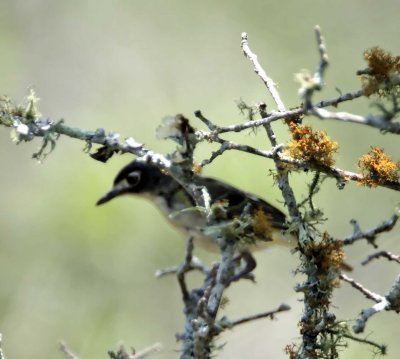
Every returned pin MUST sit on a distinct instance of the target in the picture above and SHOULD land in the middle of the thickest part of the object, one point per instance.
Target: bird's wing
(238, 200)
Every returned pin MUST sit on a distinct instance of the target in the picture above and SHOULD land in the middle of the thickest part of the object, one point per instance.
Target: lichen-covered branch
(202, 305)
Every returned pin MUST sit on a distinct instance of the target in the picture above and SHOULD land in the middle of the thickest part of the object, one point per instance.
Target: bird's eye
(133, 178)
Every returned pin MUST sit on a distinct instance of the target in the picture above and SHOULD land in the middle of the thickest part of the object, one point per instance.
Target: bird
(256, 224)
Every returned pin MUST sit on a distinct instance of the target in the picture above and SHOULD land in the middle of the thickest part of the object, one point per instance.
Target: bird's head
(137, 177)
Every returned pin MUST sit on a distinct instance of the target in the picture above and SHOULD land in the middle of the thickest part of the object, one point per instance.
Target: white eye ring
(133, 178)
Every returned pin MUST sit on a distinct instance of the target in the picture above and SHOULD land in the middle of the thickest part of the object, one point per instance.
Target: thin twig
(379, 122)
(268, 127)
(2, 356)
(388, 255)
(260, 72)
(310, 84)
(155, 348)
(283, 176)
(323, 63)
(224, 147)
(380, 347)
(185, 267)
(195, 264)
(269, 314)
(371, 234)
(122, 353)
(206, 121)
(293, 113)
(67, 352)
(367, 293)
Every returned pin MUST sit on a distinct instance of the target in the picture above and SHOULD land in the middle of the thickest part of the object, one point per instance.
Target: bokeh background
(85, 275)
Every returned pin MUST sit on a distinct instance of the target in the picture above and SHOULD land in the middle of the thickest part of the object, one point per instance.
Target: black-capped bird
(256, 223)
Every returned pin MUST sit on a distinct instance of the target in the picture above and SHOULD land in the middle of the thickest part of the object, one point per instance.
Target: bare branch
(293, 113)
(270, 314)
(323, 64)
(67, 352)
(359, 326)
(260, 72)
(155, 348)
(122, 353)
(2, 356)
(388, 255)
(283, 176)
(382, 348)
(379, 122)
(367, 293)
(195, 264)
(389, 302)
(371, 234)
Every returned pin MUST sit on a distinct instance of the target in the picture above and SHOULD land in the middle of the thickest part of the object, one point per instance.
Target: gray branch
(388, 255)
(391, 301)
(371, 234)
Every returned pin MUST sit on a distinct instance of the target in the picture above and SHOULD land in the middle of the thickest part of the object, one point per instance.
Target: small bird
(255, 223)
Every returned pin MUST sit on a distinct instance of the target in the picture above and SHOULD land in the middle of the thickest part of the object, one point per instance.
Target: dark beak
(109, 196)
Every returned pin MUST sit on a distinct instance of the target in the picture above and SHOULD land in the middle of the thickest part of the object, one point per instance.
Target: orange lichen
(291, 350)
(310, 145)
(262, 223)
(197, 168)
(326, 256)
(377, 168)
(384, 67)
(328, 253)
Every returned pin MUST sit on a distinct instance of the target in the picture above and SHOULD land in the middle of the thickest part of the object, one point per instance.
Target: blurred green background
(83, 274)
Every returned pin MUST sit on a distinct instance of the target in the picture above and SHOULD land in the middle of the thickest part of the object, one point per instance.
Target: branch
(67, 352)
(342, 176)
(310, 84)
(41, 127)
(270, 314)
(260, 72)
(202, 304)
(388, 255)
(382, 348)
(391, 301)
(2, 356)
(122, 353)
(293, 113)
(370, 235)
(282, 173)
(379, 122)
(367, 293)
